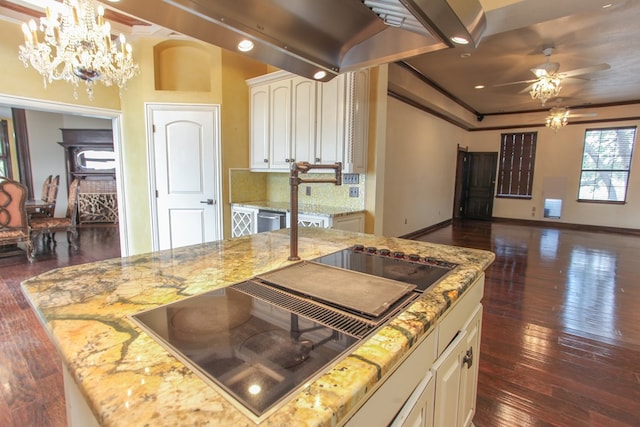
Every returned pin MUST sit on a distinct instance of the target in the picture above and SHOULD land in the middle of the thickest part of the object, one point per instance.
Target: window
(517, 159)
(5, 159)
(606, 162)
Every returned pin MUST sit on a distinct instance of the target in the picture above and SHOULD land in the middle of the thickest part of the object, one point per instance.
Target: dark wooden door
(480, 185)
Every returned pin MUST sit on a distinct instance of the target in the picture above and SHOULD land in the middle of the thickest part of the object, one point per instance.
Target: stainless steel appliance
(320, 39)
(260, 341)
(271, 220)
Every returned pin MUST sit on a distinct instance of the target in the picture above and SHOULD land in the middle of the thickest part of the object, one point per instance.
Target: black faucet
(295, 181)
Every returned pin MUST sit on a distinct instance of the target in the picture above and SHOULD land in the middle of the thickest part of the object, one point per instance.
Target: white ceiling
(583, 33)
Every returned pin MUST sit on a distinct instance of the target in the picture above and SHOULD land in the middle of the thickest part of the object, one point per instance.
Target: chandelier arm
(75, 46)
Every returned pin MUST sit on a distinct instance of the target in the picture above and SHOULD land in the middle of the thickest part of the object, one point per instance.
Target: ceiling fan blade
(527, 89)
(515, 83)
(585, 70)
(582, 115)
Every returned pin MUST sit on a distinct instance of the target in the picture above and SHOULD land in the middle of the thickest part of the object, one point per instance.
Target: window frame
(628, 170)
(529, 145)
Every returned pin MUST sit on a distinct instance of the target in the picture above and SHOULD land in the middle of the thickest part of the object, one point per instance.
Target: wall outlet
(350, 178)
(354, 192)
(308, 190)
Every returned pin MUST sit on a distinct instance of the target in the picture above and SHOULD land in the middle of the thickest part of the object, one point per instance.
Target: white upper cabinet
(280, 136)
(297, 119)
(259, 127)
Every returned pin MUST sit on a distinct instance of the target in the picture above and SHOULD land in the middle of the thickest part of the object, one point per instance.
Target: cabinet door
(357, 118)
(418, 411)
(280, 134)
(259, 99)
(313, 221)
(447, 372)
(303, 120)
(469, 370)
(353, 222)
(244, 221)
(331, 121)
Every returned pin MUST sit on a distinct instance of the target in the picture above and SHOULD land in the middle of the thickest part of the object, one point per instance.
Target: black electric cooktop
(262, 340)
(408, 268)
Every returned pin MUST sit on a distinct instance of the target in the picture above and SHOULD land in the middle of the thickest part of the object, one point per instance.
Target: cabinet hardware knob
(266, 160)
(468, 358)
(287, 160)
(208, 201)
(317, 159)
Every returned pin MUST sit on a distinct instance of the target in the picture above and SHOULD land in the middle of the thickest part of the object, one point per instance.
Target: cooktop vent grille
(346, 323)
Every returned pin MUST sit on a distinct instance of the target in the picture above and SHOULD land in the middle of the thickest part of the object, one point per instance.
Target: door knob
(208, 201)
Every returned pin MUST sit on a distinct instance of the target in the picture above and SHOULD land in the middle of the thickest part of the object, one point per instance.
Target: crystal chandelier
(76, 46)
(558, 118)
(547, 86)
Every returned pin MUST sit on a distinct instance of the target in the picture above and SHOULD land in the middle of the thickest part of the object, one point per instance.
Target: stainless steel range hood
(307, 36)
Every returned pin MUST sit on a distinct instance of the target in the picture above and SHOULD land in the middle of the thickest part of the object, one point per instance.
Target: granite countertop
(130, 380)
(303, 208)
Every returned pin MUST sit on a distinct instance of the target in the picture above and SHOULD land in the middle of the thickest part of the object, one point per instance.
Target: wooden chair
(50, 225)
(49, 196)
(14, 227)
(45, 188)
(52, 196)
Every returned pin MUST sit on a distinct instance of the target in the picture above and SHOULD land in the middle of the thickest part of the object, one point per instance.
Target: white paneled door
(186, 158)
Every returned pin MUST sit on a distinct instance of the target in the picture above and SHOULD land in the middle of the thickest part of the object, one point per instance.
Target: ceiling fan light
(557, 119)
(545, 88)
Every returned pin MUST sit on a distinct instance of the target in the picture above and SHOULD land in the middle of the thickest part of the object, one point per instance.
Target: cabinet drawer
(455, 320)
(390, 397)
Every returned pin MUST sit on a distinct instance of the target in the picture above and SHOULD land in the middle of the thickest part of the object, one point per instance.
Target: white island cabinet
(293, 119)
(436, 383)
(347, 222)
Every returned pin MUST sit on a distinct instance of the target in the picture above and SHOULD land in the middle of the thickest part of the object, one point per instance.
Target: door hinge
(153, 128)
(157, 195)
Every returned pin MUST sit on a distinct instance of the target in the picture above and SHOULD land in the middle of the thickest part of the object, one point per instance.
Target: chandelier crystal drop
(558, 118)
(546, 87)
(75, 45)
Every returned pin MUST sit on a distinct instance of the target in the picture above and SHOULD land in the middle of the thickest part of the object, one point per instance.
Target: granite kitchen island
(126, 378)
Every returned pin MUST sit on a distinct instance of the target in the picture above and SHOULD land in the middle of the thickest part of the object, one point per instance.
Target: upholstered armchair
(14, 227)
(50, 225)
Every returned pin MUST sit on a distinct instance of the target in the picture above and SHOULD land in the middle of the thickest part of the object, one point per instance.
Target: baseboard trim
(528, 222)
(426, 230)
(567, 225)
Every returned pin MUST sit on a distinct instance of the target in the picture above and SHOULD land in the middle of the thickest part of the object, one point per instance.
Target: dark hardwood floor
(561, 325)
(31, 391)
(560, 339)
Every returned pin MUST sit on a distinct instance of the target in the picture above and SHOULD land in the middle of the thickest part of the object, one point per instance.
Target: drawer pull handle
(468, 358)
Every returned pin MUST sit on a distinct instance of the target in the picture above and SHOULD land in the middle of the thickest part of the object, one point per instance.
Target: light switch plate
(354, 192)
(350, 178)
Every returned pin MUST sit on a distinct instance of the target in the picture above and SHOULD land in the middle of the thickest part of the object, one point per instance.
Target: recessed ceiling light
(479, 87)
(608, 5)
(459, 40)
(465, 55)
(245, 45)
(319, 75)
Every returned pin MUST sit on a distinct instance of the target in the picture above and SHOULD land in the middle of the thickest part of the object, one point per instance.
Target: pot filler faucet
(295, 181)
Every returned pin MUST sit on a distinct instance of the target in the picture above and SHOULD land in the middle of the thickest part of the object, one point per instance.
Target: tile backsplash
(247, 186)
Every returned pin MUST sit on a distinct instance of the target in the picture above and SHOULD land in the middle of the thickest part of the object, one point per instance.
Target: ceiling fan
(559, 116)
(546, 85)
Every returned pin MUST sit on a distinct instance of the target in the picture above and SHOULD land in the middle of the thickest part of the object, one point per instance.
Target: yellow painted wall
(236, 69)
(228, 73)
